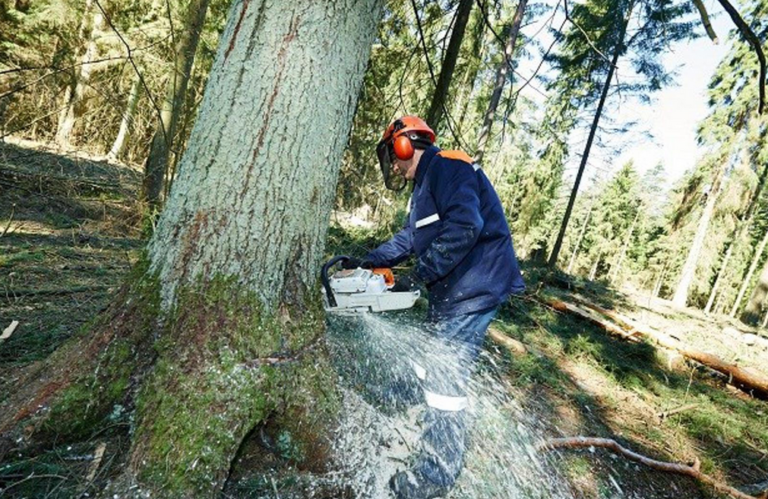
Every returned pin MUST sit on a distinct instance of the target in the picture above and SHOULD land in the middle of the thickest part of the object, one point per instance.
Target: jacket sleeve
(456, 191)
(393, 251)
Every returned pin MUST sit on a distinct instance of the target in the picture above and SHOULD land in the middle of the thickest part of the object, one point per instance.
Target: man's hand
(354, 263)
(406, 283)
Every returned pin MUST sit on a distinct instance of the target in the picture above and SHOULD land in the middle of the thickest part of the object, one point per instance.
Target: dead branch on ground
(612, 445)
(514, 346)
(750, 382)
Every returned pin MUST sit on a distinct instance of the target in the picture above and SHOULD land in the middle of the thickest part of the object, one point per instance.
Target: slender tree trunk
(156, 165)
(553, 257)
(742, 227)
(582, 233)
(617, 269)
(435, 113)
(754, 309)
(71, 109)
(680, 298)
(220, 326)
(718, 279)
(593, 270)
(660, 281)
(755, 300)
(127, 122)
(501, 78)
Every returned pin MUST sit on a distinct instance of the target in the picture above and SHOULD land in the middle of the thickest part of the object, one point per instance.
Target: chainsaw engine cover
(362, 290)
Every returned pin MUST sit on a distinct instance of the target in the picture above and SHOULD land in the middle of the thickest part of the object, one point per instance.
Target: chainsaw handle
(324, 277)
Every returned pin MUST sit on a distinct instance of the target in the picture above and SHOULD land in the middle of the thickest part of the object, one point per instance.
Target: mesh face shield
(386, 155)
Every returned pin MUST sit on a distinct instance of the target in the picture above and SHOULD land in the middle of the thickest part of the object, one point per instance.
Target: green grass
(23, 256)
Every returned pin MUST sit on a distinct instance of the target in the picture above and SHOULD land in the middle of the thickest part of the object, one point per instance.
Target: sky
(672, 116)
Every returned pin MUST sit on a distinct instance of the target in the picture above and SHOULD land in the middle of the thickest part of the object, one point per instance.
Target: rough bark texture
(156, 165)
(219, 328)
(501, 78)
(680, 297)
(435, 113)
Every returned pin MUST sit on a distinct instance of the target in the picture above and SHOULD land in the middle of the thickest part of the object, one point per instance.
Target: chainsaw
(351, 291)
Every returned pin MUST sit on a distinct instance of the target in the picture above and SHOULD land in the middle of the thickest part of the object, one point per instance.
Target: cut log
(515, 347)
(750, 382)
(612, 445)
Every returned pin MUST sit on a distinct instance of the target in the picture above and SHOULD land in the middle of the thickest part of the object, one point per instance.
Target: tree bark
(220, 325)
(435, 113)
(127, 122)
(156, 165)
(553, 257)
(680, 298)
(755, 301)
(501, 79)
(93, 22)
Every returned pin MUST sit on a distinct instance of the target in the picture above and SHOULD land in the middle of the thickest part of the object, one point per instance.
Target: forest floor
(71, 230)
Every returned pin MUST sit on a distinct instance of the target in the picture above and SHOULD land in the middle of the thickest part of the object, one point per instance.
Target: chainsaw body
(362, 290)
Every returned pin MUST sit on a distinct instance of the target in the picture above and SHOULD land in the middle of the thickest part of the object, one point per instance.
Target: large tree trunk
(73, 96)
(449, 64)
(757, 297)
(127, 122)
(680, 297)
(501, 79)
(156, 165)
(219, 327)
(553, 257)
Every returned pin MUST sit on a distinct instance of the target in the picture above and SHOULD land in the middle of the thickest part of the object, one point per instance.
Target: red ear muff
(403, 147)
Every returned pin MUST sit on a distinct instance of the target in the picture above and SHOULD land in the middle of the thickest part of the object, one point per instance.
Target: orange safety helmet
(397, 141)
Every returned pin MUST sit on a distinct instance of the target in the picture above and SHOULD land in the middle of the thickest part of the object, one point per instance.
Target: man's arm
(393, 251)
(456, 192)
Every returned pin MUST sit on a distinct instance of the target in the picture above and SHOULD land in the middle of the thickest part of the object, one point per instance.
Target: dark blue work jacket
(457, 231)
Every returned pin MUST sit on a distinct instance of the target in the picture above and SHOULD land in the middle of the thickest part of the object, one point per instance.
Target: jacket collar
(424, 162)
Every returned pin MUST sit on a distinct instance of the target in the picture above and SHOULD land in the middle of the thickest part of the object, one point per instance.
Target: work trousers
(445, 376)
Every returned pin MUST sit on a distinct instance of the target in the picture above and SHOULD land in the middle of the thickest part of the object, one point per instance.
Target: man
(457, 231)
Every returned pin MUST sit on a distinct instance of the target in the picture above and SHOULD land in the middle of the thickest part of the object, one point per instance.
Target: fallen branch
(612, 445)
(750, 382)
(666, 414)
(514, 346)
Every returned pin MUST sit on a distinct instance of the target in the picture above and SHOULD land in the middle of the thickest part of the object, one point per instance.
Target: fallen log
(750, 382)
(516, 347)
(612, 445)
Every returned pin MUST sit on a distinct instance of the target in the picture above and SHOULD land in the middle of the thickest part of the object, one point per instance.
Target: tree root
(612, 445)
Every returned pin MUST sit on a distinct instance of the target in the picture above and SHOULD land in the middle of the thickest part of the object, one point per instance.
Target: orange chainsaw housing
(389, 277)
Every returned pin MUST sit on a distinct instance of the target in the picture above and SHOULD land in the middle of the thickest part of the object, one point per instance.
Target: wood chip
(96, 461)
(7, 332)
